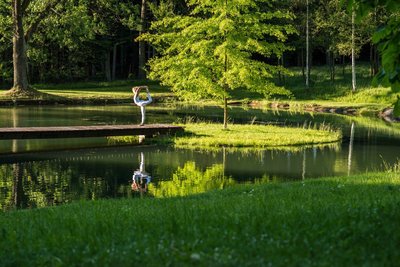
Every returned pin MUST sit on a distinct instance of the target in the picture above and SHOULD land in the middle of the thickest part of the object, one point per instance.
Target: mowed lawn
(343, 221)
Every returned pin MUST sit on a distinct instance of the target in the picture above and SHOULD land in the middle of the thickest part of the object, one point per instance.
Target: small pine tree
(216, 48)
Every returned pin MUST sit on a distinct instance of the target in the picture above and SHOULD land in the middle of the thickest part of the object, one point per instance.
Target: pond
(38, 173)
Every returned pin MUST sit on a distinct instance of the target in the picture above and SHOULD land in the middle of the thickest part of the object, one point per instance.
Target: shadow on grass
(30, 94)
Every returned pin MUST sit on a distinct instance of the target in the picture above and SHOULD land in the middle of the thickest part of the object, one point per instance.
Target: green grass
(200, 135)
(103, 90)
(343, 221)
(321, 85)
(337, 93)
(121, 89)
(323, 91)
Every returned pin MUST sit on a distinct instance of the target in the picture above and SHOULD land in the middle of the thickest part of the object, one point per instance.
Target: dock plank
(86, 131)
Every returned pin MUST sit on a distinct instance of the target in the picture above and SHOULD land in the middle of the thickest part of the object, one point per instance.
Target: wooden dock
(86, 131)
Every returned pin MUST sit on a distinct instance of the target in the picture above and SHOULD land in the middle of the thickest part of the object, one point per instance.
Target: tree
(387, 37)
(5, 40)
(308, 45)
(65, 39)
(304, 22)
(338, 34)
(58, 51)
(22, 33)
(218, 47)
(142, 45)
(353, 53)
(331, 21)
(113, 22)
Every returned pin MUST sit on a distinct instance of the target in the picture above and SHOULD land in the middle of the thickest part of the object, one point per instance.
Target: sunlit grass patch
(213, 135)
(370, 95)
(123, 140)
(342, 221)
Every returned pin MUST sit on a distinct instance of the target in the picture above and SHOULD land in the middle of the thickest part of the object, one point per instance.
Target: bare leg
(143, 114)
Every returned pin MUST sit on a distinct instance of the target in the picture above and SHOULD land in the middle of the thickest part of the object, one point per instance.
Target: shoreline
(385, 113)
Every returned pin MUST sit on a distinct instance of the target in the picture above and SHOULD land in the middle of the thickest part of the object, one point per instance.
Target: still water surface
(33, 174)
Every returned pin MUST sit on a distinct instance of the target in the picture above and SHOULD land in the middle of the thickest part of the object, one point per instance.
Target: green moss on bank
(343, 221)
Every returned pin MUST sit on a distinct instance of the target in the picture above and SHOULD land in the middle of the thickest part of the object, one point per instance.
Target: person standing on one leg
(141, 103)
(141, 179)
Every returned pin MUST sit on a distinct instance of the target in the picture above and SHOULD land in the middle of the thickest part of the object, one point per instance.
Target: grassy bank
(322, 93)
(107, 90)
(200, 135)
(93, 91)
(343, 221)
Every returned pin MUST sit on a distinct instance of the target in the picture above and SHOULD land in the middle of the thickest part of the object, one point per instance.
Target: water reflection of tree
(31, 185)
(11, 184)
(189, 180)
(18, 194)
(40, 184)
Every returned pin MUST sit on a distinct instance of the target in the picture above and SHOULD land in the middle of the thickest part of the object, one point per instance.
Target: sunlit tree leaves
(220, 46)
(387, 37)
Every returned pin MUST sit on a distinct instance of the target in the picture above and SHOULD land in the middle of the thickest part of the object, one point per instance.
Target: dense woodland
(71, 40)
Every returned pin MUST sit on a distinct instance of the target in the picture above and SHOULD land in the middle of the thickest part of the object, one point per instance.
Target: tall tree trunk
(279, 72)
(107, 66)
(122, 61)
(225, 92)
(328, 59)
(283, 65)
(21, 38)
(302, 64)
(353, 56)
(374, 60)
(114, 61)
(371, 61)
(142, 45)
(307, 49)
(333, 70)
(19, 48)
(343, 65)
(374, 57)
(225, 113)
(329, 62)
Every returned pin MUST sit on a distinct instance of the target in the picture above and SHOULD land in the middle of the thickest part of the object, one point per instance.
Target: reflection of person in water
(140, 178)
(141, 103)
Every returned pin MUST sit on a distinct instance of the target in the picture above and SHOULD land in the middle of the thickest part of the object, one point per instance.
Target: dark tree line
(69, 40)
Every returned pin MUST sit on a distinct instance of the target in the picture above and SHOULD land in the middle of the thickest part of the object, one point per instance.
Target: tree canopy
(220, 46)
(387, 37)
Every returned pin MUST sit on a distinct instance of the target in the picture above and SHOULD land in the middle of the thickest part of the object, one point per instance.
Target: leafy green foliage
(5, 24)
(387, 37)
(333, 26)
(220, 46)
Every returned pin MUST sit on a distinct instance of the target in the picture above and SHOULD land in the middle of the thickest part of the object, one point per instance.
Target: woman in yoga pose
(141, 103)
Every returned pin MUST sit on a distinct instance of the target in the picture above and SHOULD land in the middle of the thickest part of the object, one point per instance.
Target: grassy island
(343, 221)
(259, 136)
